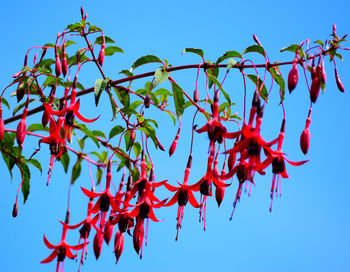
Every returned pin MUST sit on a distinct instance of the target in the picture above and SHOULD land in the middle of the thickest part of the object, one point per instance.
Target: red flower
(182, 196)
(277, 159)
(61, 250)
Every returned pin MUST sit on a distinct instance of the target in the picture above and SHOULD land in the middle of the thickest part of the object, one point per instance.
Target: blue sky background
(308, 229)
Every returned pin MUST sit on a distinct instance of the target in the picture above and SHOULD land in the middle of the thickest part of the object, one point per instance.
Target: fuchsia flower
(106, 198)
(277, 158)
(61, 250)
(182, 196)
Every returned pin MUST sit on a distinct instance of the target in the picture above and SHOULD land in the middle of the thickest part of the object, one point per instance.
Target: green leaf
(213, 72)
(65, 161)
(255, 48)
(20, 106)
(35, 163)
(127, 140)
(69, 42)
(137, 148)
(172, 116)
(88, 133)
(294, 48)
(216, 81)
(160, 76)
(162, 91)
(99, 133)
(75, 27)
(126, 72)
(99, 40)
(135, 174)
(99, 173)
(123, 96)
(123, 159)
(37, 127)
(100, 86)
(81, 143)
(144, 60)
(76, 170)
(114, 108)
(25, 173)
(279, 80)
(150, 132)
(194, 50)
(110, 50)
(179, 99)
(4, 101)
(231, 63)
(229, 54)
(93, 28)
(263, 91)
(319, 42)
(115, 131)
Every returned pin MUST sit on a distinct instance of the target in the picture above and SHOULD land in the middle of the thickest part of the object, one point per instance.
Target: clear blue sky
(308, 229)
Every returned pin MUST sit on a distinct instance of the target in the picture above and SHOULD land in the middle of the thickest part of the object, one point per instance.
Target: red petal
(82, 118)
(69, 253)
(296, 163)
(50, 258)
(153, 217)
(173, 200)
(192, 200)
(90, 194)
(48, 244)
(72, 226)
(170, 187)
(203, 129)
(157, 184)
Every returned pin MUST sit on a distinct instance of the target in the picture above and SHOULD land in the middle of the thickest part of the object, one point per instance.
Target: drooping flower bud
(101, 55)
(58, 65)
(338, 81)
(161, 147)
(20, 91)
(15, 210)
(108, 231)
(132, 136)
(315, 88)
(64, 61)
(98, 240)
(305, 140)
(174, 144)
(323, 73)
(82, 12)
(293, 77)
(147, 101)
(305, 135)
(219, 194)
(118, 244)
(256, 39)
(196, 96)
(22, 129)
(2, 125)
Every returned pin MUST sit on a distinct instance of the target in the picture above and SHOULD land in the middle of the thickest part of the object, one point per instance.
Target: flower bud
(101, 55)
(219, 194)
(338, 81)
(64, 62)
(256, 39)
(293, 77)
(58, 66)
(118, 244)
(323, 74)
(161, 147)
(196, 96)
(108, 232)
(231, 161)
(2, 126)
(45, 118)
(315, 88)
(147, 101)
(132, 136)
(20, 91)
(305, 140)
(98, 240)
(15, 210)
(21, 131)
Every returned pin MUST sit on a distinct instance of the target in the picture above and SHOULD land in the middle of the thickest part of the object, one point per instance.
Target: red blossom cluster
(129, 208)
